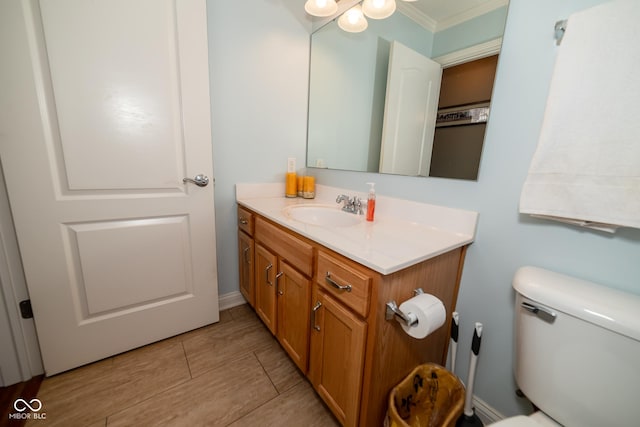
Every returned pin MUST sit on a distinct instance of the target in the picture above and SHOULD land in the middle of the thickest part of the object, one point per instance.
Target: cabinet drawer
(346, 283)
(245, 220)
(295, 251)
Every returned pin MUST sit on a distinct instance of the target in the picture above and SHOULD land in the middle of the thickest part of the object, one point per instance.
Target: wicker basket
(430, 396)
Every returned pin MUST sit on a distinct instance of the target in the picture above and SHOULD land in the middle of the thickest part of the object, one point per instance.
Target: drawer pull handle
(243, 220)
(245, 252)
(266, 274)
(278, 291)
(335, 284)
(315, 308)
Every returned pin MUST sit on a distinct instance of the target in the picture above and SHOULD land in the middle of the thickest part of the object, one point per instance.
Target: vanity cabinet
(283, 268)
(246, 252)
(328, 312)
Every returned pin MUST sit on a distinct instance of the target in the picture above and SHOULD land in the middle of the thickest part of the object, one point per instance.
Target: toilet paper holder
(393, 311)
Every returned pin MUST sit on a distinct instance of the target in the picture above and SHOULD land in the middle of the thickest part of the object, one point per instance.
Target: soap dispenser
(371, 201)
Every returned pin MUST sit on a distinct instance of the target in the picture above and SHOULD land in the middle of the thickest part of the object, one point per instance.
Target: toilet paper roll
(430, 312)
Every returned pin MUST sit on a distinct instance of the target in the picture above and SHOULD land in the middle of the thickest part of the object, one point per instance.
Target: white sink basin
(323, 215)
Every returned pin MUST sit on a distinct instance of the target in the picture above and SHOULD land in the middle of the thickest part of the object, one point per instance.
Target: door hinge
(25, 309)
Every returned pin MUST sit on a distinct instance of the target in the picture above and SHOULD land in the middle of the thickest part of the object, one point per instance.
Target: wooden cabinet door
(294, 296)
(265, 272)
(337, 356)
(245, 263)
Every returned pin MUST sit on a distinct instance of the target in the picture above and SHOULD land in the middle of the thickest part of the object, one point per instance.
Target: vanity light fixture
(321, 8)
(353, 20)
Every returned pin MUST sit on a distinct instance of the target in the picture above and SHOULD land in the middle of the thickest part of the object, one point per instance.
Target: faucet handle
(342, 198)
(358, 205)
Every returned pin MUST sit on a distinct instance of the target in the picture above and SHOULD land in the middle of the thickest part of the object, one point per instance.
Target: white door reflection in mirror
(413, 87)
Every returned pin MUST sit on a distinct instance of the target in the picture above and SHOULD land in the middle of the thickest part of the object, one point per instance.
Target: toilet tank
(577, 349)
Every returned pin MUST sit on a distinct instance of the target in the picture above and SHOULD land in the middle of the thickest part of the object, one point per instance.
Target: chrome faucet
(350, 204)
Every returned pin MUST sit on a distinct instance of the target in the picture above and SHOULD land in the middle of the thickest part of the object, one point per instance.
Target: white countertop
(402, 234)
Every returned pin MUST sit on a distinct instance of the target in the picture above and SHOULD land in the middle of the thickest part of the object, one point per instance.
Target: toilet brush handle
(455, 323)
(475, 350)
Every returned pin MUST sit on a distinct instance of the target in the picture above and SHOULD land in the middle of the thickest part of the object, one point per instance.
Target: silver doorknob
(199, 180)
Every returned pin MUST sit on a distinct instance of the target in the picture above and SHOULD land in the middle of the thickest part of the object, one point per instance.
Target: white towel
(586, 168)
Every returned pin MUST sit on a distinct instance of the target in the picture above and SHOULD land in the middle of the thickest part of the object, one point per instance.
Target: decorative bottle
(371, 201)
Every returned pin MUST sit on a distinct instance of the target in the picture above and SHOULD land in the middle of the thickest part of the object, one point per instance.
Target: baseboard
(232, 299)
(486, 413)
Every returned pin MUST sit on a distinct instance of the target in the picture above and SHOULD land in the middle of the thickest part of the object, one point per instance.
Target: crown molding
(417, 16)
(479, 51)
(471, 13)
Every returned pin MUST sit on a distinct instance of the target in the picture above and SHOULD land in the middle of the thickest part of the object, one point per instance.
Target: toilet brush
(469, 418)
(455, 321)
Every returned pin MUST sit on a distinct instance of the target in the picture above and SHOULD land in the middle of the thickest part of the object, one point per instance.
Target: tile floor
(232, 373)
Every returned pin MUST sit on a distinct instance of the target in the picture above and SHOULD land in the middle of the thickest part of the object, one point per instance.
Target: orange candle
(291, 187)
(300, 185)
(309, 190)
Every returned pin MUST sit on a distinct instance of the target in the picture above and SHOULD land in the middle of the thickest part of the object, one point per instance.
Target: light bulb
(353, 20)
(321, 7)
(378, 9)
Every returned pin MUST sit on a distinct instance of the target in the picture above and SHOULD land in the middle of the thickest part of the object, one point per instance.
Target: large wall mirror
(374, 96)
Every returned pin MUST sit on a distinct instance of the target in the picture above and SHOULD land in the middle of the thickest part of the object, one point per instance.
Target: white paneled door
(107, 111)
(411, 104)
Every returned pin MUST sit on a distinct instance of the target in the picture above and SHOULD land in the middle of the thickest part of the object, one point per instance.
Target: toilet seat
(537, 419)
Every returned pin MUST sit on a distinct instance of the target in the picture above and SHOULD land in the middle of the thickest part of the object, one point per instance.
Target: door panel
(109, 111)
(265, 273)
(337, 357)
(245, 261)
(143, 268)
(294, 296)
(130, 114)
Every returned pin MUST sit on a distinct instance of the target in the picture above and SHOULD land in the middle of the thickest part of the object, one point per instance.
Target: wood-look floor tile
(283, 373)
(217, 346)
(225, 316)
(298, 406)
(241, 311)
(216, 398)
(228, 372)
(89, 394)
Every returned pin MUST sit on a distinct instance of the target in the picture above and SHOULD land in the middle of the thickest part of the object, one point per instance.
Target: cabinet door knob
(313, 311)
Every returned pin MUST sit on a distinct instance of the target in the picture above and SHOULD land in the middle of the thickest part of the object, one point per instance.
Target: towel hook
(560, 29)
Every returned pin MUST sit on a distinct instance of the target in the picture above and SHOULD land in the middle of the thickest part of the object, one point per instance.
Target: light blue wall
(259, 66)
(343, 67)
(259, 115)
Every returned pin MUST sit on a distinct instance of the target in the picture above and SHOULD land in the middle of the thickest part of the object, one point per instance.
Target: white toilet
(577, 352)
